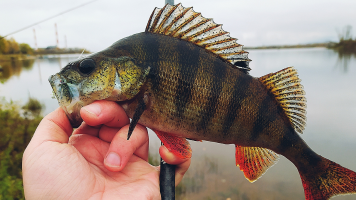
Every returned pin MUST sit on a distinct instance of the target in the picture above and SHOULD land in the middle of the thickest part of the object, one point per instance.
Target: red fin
(177, 145)
(254, 161)
(332, 180)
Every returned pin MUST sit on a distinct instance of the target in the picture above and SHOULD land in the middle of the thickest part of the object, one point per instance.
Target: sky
(101, 23)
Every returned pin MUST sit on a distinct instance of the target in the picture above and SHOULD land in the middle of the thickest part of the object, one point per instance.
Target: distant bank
(12, 50)
(325, 45)
(56, 50)
(40, 53)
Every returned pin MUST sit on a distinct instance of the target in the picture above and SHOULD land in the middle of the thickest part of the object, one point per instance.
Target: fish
(184, 77)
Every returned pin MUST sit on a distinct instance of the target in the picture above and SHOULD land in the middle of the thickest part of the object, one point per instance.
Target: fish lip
(63, 90)
(74, 120)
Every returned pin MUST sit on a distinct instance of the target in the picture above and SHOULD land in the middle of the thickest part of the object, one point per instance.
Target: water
(331, 131)
(29, 78)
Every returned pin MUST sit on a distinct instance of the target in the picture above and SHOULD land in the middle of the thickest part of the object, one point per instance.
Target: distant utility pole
(65, 41)
(55, 26)
(171, 2)
(34, 34)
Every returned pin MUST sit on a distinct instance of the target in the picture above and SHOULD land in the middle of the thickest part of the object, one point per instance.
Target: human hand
(61, 164)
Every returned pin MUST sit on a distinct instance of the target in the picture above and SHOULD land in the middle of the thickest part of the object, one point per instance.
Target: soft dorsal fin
(285, 86)
(254, 161)
(183, 23)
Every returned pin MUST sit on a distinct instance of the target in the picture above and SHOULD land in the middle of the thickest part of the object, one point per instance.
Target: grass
(17, 125)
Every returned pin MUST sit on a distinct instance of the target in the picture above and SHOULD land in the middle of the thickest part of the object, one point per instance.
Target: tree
(13, 46)
(3, 46)
(25, 48)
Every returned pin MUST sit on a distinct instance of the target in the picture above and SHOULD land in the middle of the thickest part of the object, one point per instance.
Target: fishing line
(61, 13)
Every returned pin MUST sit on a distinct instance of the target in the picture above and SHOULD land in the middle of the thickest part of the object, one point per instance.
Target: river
(330, 84)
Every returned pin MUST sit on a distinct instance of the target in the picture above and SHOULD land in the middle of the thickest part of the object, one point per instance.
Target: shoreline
(315, 45)
(12, 57)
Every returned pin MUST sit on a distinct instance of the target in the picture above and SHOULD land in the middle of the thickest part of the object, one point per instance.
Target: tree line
(10, 46)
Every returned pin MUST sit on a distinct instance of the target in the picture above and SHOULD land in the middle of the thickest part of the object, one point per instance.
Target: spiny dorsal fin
(285, 86)
(179, 22)
(254, 161)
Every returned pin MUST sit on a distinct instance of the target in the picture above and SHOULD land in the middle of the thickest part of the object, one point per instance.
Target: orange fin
(177, 145)
(332, 180)
(254, 161)
(286, 88)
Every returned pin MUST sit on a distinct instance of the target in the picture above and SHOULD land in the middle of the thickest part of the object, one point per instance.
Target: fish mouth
(67, 95)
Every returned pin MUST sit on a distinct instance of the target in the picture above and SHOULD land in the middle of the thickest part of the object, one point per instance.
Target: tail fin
(330, 180)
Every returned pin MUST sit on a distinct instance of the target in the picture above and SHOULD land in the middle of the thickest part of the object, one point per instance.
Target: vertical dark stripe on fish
(189, 61)
(151, 49)
(218, 75)
(239, 93)
(263, 118)
(289, 139)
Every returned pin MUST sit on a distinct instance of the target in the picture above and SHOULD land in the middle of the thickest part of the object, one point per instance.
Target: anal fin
(254, 161)
(177, 145)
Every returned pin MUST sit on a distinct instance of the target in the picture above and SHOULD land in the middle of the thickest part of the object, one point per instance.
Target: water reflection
(344, 60)
(21, 80)
(14, 68)
(39, 72)
(330, 127)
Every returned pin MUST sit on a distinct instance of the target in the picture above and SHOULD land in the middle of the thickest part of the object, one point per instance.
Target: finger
(91, 148)
(54, 127)
(84, 128)
(107, 134)
(104, 112)
(121, 149)
(182, 165)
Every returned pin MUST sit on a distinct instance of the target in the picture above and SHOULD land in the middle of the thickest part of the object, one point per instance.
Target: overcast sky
(101, 23)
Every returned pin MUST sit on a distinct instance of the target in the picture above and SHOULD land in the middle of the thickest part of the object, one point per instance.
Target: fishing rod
(61, 13)
(167, 180)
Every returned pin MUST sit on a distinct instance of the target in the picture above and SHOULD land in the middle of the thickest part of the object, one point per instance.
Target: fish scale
(188, 66)
(185, 77)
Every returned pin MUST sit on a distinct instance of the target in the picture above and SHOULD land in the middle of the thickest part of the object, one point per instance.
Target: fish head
(96, 78)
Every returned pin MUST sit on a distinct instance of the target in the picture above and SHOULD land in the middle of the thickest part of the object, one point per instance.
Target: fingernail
(113, 160)
(169, 155)
(93, 109)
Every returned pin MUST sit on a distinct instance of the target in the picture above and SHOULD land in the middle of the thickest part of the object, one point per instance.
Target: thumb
(54, 127)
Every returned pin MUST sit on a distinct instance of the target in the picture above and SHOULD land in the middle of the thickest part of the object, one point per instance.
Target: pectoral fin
(177, 145)
(254, 161)
(138, 112)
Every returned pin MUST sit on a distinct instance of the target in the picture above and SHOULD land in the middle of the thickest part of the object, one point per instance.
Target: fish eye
(86, 66)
